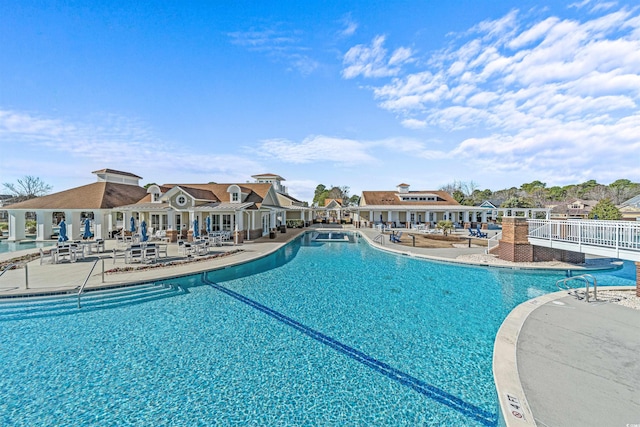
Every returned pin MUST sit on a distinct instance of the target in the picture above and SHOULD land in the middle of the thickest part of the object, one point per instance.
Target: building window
(235, 197)
(155, 197)
(181, 200)
(226, 222)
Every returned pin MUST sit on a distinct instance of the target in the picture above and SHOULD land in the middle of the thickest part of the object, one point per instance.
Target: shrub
(445, 226)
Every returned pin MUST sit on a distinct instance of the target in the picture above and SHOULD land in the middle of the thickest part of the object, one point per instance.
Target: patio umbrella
(87, 229)
(143, 231)
(208, 224)
(62, 235)
(196, 233)
(132, 225)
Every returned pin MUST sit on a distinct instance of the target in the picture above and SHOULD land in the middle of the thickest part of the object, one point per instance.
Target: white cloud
(114, 142)
(371, 61)
(317, 148)
(414, 123)
(349, 26)
(538, 95)
(279, 44)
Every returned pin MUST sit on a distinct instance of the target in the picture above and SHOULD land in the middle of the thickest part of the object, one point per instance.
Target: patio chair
(150, 252)
(133, 253)
(184, 248)
(481, 234)
(473, 233)
(50, 254)
(161, 248)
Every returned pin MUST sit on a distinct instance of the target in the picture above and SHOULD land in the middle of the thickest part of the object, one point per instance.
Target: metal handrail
(585, 278)
(85, 281)
(8, 267)
(379, 238)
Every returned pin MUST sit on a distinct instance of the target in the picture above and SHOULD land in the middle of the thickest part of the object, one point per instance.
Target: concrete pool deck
(561, 361)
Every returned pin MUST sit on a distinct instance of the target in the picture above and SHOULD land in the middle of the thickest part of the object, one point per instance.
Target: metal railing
(379, 239)
(611, 234)
(7, 268)
(562, 285)
(86, 280)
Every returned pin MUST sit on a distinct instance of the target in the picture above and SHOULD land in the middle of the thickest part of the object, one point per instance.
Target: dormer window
(235, 195)
(155, 192)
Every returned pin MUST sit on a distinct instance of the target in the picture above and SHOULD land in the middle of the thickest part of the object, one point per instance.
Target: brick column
(172, 235)
(514, 245)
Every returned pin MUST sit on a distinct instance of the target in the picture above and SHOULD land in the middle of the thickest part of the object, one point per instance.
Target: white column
(16, 226)
(239, 220)
(98, 224)
(74, 226)
(466, 216)
(484, 216)
(43, 225)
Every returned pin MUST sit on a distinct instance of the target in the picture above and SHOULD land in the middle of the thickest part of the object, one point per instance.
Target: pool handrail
(85, 281)
(8, 267)
(585, 278)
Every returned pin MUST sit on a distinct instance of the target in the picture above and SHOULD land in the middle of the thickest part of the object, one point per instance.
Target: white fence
(620, 239)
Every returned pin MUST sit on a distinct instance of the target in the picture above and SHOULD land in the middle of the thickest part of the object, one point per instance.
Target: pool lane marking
(484, 417)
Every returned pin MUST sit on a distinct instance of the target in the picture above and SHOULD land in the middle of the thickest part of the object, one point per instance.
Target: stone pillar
(514, 245)
(172, 235)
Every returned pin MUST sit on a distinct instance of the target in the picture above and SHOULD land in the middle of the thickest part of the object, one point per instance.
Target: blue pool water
(6, 246)
(316, 334)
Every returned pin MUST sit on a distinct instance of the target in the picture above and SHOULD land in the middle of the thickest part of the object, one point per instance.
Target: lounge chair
(473, 233)
(481, 234)
(395, 238)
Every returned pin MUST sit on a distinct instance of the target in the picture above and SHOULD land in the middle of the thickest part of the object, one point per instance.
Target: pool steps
(27, 308)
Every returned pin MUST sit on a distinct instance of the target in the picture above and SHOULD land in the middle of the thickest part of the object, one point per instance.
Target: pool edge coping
(517, 413)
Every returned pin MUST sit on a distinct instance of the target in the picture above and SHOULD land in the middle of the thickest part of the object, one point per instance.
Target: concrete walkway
(561, 362)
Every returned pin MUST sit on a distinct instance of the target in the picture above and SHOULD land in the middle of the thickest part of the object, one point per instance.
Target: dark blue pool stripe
(434, 393)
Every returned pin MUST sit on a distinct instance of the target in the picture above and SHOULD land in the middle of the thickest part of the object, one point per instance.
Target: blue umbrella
(132, 225)
(143, 230)
(208, 224)
(196, 233)
(87, 229)
(62, 235)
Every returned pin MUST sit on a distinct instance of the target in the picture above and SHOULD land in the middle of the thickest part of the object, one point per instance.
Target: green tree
(586, 187)
(533, 186)
(334, 192)
(459, 197)
(605, 209)
(27, 188)
(320, 194)
(623, 189)
(518, 202)
(557, 193)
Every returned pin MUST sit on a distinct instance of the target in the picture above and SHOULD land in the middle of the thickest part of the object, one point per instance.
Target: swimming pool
(6, 246)
(315, 334)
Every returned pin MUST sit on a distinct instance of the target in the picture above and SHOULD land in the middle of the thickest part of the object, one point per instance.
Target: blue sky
(367, 94)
